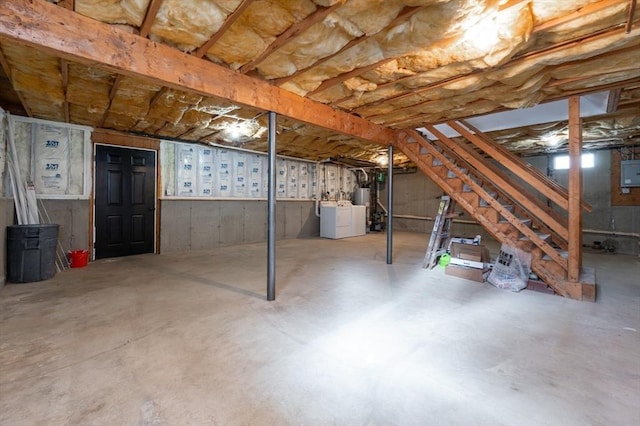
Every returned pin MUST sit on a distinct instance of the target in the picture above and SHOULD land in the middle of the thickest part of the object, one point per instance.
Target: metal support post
(390, 207)
(271, 214)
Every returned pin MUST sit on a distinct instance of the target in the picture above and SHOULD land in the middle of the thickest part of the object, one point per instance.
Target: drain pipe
(271, 230)
(611, 233)
(390, 207)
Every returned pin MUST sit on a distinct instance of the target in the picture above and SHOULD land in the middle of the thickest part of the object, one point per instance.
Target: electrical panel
(629, 173)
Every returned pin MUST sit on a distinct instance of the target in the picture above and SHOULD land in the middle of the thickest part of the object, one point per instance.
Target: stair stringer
(552, 271)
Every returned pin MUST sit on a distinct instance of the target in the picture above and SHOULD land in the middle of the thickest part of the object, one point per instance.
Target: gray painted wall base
(201, 224)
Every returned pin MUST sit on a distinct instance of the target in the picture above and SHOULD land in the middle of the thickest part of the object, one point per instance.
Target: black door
(125, 201)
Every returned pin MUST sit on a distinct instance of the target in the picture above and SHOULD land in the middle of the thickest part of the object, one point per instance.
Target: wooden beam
(7, 70)
(233, 17)
(575, 191)
(404, 14)
(290, 33)
(149, 17)
(56, 31)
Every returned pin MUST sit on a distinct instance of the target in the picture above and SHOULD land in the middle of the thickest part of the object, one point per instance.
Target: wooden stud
(575, 190)
(57, 31)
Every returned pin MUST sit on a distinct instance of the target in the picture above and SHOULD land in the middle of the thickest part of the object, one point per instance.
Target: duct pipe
(271, 214)
(390, 207)
(355, 169)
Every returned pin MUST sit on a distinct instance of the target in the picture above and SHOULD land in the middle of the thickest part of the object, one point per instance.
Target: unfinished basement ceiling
(397, 63)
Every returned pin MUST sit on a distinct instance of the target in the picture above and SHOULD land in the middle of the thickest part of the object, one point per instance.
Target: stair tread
(521, 221)
(543, 237)
(562, 253)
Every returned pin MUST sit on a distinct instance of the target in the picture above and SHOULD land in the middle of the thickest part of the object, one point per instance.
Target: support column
(390, 207)
(575, 191)
(271, 214)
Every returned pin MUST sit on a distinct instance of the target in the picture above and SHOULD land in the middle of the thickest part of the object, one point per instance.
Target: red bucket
(78, 258)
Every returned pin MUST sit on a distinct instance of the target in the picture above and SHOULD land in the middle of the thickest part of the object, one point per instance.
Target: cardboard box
(467, 273)
(469, 255)
(472, 255)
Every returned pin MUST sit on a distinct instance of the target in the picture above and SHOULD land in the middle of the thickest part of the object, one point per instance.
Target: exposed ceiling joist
(584, 11)
(587, 10)
(539, 53)
(632, 11)
(57, 31)
(233, 17)
(7, 71)
(291, 32)
(404, 14)
(149, 17)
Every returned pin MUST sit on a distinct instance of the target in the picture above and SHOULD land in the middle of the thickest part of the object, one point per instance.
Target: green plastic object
(445, 259)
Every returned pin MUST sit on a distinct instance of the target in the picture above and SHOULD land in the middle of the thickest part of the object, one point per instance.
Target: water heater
(362, 196)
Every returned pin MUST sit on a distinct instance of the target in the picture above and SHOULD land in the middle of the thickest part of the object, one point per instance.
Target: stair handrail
(546, 186)
(509, 187)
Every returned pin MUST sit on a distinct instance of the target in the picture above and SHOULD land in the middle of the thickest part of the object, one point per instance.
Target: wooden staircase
(508, 210)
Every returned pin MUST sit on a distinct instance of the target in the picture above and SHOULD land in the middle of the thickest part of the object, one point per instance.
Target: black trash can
(31, 252)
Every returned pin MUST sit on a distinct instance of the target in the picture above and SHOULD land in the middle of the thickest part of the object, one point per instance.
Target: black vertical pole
(271, 215)
(390, 207)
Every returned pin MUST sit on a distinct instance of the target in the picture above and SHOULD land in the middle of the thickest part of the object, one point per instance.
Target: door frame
(121, 141)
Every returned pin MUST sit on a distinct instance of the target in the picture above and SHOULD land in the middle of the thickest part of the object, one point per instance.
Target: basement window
(561, 162)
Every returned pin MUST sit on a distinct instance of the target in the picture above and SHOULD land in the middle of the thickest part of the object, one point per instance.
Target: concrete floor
(188, 339)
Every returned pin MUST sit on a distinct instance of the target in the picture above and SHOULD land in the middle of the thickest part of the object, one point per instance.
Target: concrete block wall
(73, 218)
(201, 224)
(416, 195)
(6, 219)
(596, 189)
(71, 215)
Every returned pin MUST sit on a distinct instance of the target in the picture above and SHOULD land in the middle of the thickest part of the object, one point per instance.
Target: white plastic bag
(511, 270)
